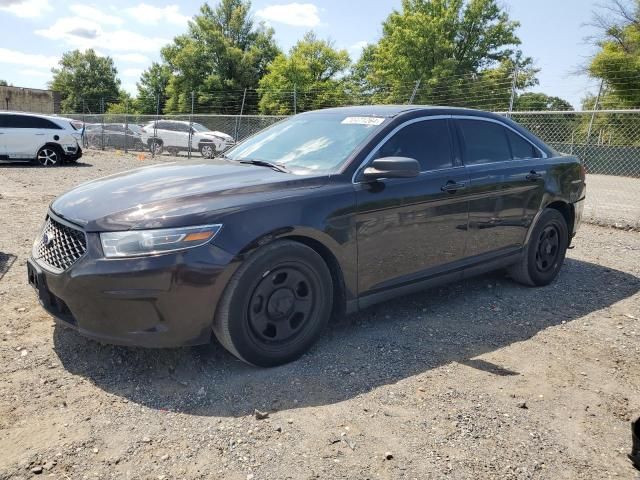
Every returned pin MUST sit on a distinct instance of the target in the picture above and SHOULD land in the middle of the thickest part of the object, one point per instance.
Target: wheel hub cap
(281, 303)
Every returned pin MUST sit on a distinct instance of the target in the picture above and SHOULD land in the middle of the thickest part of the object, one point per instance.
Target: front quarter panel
(323, 215)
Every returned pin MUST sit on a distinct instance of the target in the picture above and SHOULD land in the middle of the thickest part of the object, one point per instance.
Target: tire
(156, 146)
(545, 252)
(275, 305)
(207, 150)
(50, 156)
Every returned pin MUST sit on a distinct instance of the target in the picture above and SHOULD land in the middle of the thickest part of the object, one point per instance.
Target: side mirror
(392, 167)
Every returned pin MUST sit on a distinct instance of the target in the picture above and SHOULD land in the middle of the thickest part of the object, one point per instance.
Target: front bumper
(161, 301)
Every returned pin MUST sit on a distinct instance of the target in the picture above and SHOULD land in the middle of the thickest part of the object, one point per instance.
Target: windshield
(308, 143)
(199, 128)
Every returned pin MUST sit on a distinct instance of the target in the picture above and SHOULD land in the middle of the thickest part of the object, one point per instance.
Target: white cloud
(30, 72)
(296, 14)
(151, 15)
(131, 58)
(132, 72)
(27, 59)
(25, 8)
(358, 46)
(91, 35)
(95, 14)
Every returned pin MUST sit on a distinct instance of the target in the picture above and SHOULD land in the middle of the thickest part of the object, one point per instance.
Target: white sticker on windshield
(362, 121)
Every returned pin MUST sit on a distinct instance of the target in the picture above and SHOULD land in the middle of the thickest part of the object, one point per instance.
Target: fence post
(155, 127)
(593, 114)
(244, 97)
(415, 91)
(514, 87)
(295, 100)
(191, 125)
(85, 144)
(102, 123)
(126, 124)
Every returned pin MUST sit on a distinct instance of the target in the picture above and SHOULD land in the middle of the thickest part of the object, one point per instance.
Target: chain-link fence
(607, 141)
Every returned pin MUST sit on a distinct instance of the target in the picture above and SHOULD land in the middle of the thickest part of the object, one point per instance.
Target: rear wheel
(275, 305)
(545, 252)
(155, 146)
(49, 156)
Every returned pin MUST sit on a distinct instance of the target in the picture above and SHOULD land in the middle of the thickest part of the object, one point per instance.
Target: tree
(125, 104)
(153, 84)
(84, 79)
(617, 61)
(314, 69)
(532, 101)
(3, 83)
(222, 53)
(454, 48)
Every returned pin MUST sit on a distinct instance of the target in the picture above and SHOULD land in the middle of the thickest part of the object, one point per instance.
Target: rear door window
(28, 121)
(483, 142)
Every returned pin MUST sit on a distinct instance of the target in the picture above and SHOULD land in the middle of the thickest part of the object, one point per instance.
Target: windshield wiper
(263, 163)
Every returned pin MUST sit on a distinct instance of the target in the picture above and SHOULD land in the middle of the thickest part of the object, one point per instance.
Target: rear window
(521, 148)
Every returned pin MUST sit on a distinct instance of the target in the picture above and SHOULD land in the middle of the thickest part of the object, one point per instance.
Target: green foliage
(83, 79)
(314, 68)
(221, 54)
(531, 101)
(153, 84)
(125, 104)
(454, 48)
(3, 83)
(618, 60)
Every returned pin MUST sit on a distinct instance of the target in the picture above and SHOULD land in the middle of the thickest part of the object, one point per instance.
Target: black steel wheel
(275, 305)
(545, 251)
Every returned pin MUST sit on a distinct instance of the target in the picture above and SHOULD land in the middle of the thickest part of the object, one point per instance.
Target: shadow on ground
(6, 260)
(9, 165)
(379, 346)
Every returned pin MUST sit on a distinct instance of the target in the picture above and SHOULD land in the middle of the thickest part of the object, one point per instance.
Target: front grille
(59, 245)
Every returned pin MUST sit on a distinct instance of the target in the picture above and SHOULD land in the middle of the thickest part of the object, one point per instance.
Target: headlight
(134, 243)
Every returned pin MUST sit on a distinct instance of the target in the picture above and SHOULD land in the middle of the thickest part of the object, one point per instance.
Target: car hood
(216, 134)
(195, 192)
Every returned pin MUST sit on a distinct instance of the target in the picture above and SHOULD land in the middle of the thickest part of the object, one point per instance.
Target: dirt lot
(481, 379)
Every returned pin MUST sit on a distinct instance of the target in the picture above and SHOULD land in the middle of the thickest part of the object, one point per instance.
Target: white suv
(47, 139)
(173, 135)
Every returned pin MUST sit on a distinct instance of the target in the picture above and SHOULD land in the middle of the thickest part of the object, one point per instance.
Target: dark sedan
(114, 135)
(324, 213)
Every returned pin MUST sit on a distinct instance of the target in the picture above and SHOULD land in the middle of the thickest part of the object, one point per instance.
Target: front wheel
(544, 254)
(49, 156)
(276, 305)
(207, 150)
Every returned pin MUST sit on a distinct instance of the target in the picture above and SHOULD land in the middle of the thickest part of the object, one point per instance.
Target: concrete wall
(29, 100)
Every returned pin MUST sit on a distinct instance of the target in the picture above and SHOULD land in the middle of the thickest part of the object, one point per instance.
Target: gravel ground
(613, 201)
(480, 379)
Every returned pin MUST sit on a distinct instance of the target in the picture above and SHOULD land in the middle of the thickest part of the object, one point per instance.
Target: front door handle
(452, 187)
(533, 176)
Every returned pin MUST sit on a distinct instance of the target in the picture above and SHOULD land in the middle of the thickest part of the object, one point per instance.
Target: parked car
(114, 135)
(173, 135)
(49, 140)
(323, 213)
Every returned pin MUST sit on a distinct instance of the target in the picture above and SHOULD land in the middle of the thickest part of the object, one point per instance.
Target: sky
(35, 33)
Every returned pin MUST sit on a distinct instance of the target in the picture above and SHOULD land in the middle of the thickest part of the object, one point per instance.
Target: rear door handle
(452, 187)
(39, 134)
(533, 176)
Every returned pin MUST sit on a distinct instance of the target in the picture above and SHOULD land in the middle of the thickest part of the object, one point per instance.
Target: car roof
(35, 114)
(395, 110)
